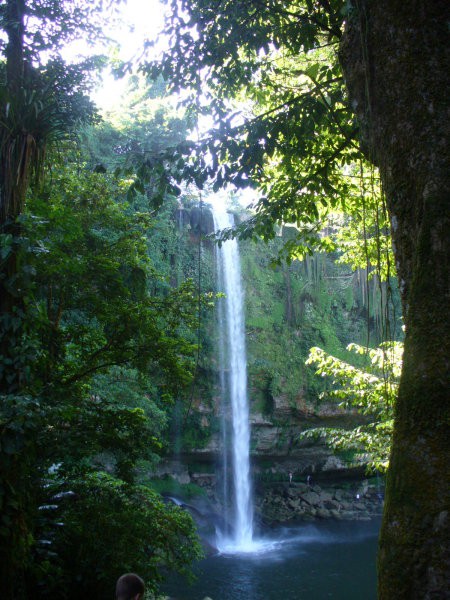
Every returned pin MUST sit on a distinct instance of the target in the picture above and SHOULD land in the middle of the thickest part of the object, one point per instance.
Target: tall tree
(284, 123)
(41, 99)
(396, 61)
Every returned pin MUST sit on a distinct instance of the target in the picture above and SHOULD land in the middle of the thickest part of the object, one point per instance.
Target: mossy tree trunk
(16, 150)
(395, 55)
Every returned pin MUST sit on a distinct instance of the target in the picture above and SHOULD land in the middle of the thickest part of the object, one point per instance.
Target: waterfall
(224, 404)
(235, 365)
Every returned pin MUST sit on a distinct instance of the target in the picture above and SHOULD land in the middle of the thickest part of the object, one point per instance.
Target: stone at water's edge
(284, 503)
(169, 598)
(278, 504)
(311, 498)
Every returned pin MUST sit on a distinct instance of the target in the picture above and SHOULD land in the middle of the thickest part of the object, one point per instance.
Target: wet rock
(299, 487)
(331, 504)
(201, 220)
(348, 514)
(293, 493)
(295, 504)
(311, 498)
(325, 497)
(284, 502)
(339, 495)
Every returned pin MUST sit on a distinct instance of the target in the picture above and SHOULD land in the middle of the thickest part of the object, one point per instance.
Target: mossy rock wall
(288, 310)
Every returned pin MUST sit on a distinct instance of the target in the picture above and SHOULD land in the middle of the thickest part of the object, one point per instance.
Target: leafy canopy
(372, 391)
(267, 74)
(75, 302)
(84, 231)
(130, 529)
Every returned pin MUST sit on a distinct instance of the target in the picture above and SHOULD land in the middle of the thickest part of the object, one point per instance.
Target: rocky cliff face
(277, 446)
(301, 502)
(283, 501)
(288, 309)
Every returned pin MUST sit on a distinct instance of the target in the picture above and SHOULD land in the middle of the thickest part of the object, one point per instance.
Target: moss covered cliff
(289, 309)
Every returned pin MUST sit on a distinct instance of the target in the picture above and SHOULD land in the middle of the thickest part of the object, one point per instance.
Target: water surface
(315, 562)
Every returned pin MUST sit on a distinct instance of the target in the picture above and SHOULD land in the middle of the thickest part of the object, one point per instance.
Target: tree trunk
(17, 150)
(17, 146)
(395, 55)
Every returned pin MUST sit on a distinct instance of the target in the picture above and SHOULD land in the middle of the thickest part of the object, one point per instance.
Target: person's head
(130, 587)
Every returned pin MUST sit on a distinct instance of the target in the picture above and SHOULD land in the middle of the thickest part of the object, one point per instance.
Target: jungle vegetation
(96, 341)
(307, 96)
(337, 123)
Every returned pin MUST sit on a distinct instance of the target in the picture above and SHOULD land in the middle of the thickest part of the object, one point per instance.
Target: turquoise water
(315, 562)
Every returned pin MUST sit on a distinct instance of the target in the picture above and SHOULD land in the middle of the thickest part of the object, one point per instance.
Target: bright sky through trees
(139, 20)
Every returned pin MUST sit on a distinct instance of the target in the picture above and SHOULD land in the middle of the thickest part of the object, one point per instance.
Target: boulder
(331, 504)
(325, 497)
(339, 495)
(311, 498)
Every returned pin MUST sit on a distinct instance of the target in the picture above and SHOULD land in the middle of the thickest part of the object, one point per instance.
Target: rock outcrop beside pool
(282, 503)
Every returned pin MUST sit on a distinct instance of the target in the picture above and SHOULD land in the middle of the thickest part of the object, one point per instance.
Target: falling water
(222, 323)
(235, 355)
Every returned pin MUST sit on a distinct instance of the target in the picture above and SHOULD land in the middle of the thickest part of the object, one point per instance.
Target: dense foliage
(372, 391)
(273, 87)
(284, 123)
(87, 371)
(105, 356)
(95, 339)
(130, 529)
